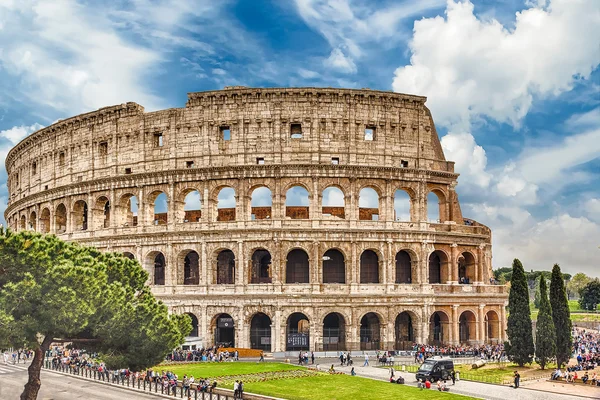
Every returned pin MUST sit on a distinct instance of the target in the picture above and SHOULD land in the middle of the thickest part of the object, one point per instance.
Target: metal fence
(177, 391)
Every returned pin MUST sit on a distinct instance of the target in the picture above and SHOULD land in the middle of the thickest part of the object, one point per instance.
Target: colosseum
(280, 219)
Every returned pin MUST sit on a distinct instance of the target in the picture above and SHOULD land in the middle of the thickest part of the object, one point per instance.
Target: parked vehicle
(436, 369)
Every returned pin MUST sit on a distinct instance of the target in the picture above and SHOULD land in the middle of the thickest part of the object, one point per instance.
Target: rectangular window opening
(404, 164)
(34, 168)
(296, 131)
(189, 164)
(260, 160)
(103, 148)
(158, 139)
(127, 171)
(45, 187)
(61, 158)
(335, 160)
(225, 133)
(370, 133)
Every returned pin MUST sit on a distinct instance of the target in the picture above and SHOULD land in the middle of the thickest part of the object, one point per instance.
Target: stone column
(276, 344)
(170, 267)
(424, 331)
(204, 332)
(314, 209)
(313, 335)
(141, 213)
(90, 214)
(316, 267)
(453, 264)
(455, 336)
(390, 277)
(502, 332)
(354, 266)
(480, 325)
(241, 267)
(171, 206)
(207, 205)
(204, 278)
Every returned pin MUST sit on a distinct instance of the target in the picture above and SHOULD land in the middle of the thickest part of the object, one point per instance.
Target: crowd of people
(16, 356)
(489, 352)
(214, 353)
(586, 351)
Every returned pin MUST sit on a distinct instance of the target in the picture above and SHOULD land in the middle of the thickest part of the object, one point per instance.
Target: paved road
(59, 387)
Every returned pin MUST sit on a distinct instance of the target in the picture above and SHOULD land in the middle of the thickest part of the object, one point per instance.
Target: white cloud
(470, 68)
(338, 61)
(17, 133)
(469, 158)
(584, 120)
(219, 71)
(308, 74)
(592, 209)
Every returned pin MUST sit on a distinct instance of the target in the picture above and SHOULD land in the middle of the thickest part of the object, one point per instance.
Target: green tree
(578, 282)
(561, 316)
(545, 336)
(519, 347)
(537, 296)
(51, 290)
(589, 295)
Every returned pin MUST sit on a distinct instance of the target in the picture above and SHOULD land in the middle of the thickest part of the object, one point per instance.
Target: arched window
(297, 267)
(80, 216)
(467, 327)
(161, 209)
(23, 223)
(434, 207)
(297, 203)
(401, 206)
(159, 269)
(369, 267)
(437, 266)
(405, 336)
(191, 269)
(102, 213)
(261, 203)
(33, 221)
(466, 268)
(192, 207)
(194, 332)
(368, 205)
(370, 332)
(403, 267)
(261, 267)
(439, 328)
(225, 267)
(333, 202)
(334, 267)
(60, 219)
(298, 327)
(226, 204)
(45, 221)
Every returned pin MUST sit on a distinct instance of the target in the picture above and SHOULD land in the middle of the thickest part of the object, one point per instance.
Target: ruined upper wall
(124, 139)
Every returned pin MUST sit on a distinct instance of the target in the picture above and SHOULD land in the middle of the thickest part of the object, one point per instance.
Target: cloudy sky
(514, 86)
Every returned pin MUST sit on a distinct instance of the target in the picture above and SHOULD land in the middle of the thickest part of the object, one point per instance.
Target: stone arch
(261, 203)
(156, 265)
(195, 330)
(297, 202)
(297, 268)
(439, 328)
(493, 327)
(225, 267)
(223, 327)
(190, 273)
(45, 220)
(129, 255)
(436, 206)
(404, 329)
(226, 203)
(260, 332)
(368, 204)
(334, 202)
(334, 266)
(466, 267)
(370, 264)
(23, 223)
(80, 216)
(192, 205)
(33, 221)
(297, 332)
(102, 213)
(403, 209)
(404, 262)
(334, 332)
(370, 331)
(467, 327)
(438, 264)
(60, 218)
(260, 266)
(159, 208)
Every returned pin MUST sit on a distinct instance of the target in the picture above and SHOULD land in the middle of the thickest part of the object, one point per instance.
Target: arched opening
(434, 207)
(60, 219)
(45, 221)
(492, 327)
(439, 328)
(80, 216)
(194, 332)
(334, 267)
(102, 213)
(437, 265)
(297, 332)
(33, 221)
(129, 255)
(467, 327)
(226, 204)
(260, 271)
(401, 205)
(23, 223)
(370, 332)
(334, 332)
(261, 203)
(333, 202)
(191, 269)
(297, 267)
(403, 267)
(192, 207)
(466, 268)
(368, 204)
(161, 208)
(405, 335)
(159, 269)
(128, 210)
(369, 267)
(260, 332)
(224, 330)
(225, 267)
(297, 203)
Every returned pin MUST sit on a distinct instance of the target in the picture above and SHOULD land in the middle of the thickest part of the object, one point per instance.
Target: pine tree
(545, 337)
(519, 347)
(561, 316)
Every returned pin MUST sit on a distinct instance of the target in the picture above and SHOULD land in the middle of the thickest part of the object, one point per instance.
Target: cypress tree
(519, 347)
(561, 316)
(545, 337)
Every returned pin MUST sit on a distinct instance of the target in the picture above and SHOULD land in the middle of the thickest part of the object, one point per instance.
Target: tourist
(262, 357)
(517, 379)
(427, 384)
(366, 363)
(331, 370)
(352, 372)
(241, 390)
(342, 358)
(392, 371)
(585, 377)
(312, 357)
(236, 385)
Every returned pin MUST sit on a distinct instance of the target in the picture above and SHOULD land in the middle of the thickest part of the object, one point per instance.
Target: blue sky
(514, 86)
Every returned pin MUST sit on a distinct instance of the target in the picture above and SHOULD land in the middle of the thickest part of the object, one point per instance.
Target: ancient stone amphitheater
(279, 219)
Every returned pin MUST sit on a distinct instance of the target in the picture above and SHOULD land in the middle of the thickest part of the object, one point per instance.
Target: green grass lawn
(208, 370)
(343, 387)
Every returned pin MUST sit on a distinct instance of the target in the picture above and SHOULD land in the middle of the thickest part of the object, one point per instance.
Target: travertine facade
(326, 258)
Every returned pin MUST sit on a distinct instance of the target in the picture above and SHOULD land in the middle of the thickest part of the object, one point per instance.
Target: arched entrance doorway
(260, 332)
(159, 269)
(297, 268)
(261, 267)
(194, 331)
(404, 330)
(334, 332)
(467, 327)
(438, 328)
(437, 266)
(403, 267)
(225, 270)
(492, 327)
(370, 332)
(334, 267)
(191, 268)
(369, 267)
(224, 330)
(297, 337)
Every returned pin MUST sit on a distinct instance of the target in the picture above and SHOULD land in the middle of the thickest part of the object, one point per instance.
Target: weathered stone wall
(77, 178)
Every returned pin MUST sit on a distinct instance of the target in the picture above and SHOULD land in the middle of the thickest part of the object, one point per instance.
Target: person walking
(236, 387)
(517, 379)
(262, 357)
(312, 357)
(453, 375)
(241, 390)
(366, 363)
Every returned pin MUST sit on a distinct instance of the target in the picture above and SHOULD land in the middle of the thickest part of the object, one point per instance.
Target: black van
(436, 369)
